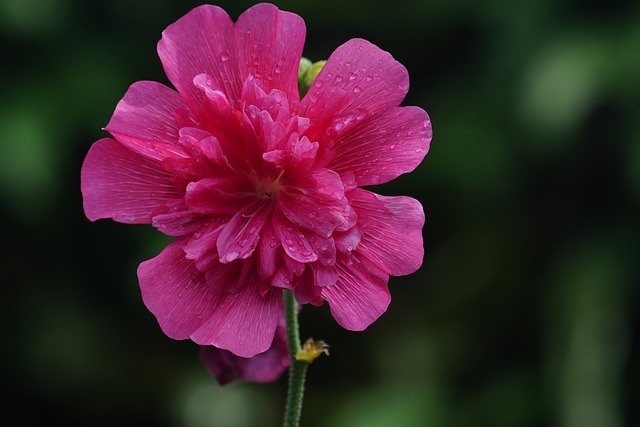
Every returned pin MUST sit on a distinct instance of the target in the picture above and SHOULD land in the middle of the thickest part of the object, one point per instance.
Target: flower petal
(269, 45)
(265, 43)
(243, 322)
(381, 148)
(175, 291)
(263, 367)
(293, 241)
(221, 195)
(392, 235)
(145, 120)
(359, 296)
(200, 42)
(120, 184)
(239, 237)
(358, 80)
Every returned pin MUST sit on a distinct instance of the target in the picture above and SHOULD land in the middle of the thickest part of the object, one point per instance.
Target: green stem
(298, 369)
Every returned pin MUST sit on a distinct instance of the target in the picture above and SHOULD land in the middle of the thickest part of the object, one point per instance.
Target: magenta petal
(269, 43)
(293, 241)
(201, 42)
(243, 322)
(384, 147)
(145, 120)
(240, 235)
(359, 79)
(359, 296)
(220, 195)
(120, 184)
(392, 231)
(175, 291)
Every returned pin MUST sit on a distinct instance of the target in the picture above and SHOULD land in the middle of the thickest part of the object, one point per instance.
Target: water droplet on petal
(273, 244)
(232, 255)
(224, 56)
(357, 89)
(369, 78)
(324, 247)
(418, 150)
(352, 76)
(392, 146)
(313, 214)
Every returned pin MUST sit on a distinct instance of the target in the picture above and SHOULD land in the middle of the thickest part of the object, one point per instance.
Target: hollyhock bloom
(261, 188)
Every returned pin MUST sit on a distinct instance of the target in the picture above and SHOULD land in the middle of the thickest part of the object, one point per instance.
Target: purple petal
(145, 120)
(360, 296)
(120, 184)
(175, 291)
(392, 231)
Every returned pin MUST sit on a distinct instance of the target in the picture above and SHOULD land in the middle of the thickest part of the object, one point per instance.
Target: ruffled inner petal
(240, 235)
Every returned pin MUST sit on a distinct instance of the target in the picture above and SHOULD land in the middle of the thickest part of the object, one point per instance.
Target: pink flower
(261, 188)
(264, 367)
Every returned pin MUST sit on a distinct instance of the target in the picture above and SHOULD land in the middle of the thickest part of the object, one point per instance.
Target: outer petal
(359, 296)
(146, 121)
(175, 291)
(244, 322)
(266, 43)
(201, 42)
(269, 43)
(383, 147)
(358, 80)
(120, 184)
(392, 235)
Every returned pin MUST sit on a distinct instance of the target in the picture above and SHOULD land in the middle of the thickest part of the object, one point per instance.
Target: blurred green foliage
(525, 312)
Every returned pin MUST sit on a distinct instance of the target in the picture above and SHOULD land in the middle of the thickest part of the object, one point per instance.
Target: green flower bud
(307, 73)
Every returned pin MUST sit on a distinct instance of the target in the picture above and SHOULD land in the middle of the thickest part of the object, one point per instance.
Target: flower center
(269, 189)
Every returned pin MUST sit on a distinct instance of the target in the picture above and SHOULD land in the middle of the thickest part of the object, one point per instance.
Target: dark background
(524, 313)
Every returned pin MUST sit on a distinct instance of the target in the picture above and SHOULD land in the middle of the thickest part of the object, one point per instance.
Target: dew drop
(392, 146)
(418, 150)
(277, 69)
(286, 281)
(324, 247)
(352, 76)
(224, 56)
(313, 214)
(273, 244)
(347, 64)
(357, 89)
(369, 78)
(289, 242)
(306, 253)
(338, 78)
